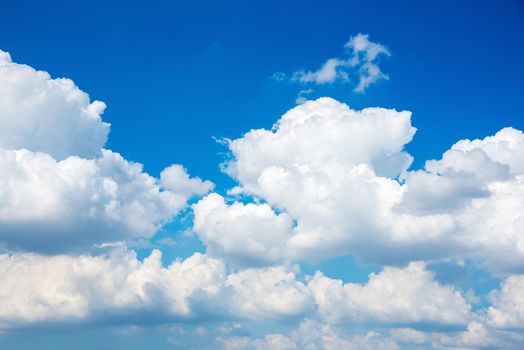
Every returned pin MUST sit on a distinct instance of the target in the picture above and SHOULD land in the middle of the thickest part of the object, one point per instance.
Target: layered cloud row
(80, 289)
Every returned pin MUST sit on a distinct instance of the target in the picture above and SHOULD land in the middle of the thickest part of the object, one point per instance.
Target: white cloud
(270, 293)
(270, 341)
(394, 296)
(119, 288)
(505, 147)
(361, 64)
(66, 289)
(479, 185)
(242, 234)
(301, 97)
(492, 228)
(47, 115)
(176, 179)
(323, 130)
(319, 164)
(50, 205)
(477, 335)
(328, 73)
(366, 53)
(315, 335)
(334, 171)
(507, 310)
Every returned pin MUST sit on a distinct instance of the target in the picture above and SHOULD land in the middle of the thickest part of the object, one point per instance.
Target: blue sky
(179, 77)
(175, 75)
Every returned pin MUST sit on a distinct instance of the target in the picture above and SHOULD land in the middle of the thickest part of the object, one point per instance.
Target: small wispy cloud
(301, 98)
(359, 63)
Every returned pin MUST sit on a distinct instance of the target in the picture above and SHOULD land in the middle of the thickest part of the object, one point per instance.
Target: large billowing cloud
(59, 189)
(47, 115)
(335, 172)
(330, 168)
(49, 205)
(320, 133)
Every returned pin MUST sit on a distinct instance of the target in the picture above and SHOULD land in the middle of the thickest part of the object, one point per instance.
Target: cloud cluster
(59, 190)
(342, 176)
(394, 296)
(66, 289)
(244, 234)
(50, 205)
(324, 181)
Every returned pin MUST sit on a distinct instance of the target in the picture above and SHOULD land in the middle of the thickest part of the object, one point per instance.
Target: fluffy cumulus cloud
(59, 189)
(330, 168)
(270, 293)
(176, 179)
(342, 175)
(394, 296)
(478, 185)
(47, 115)
(245, 234)
(507, 310)
(51, 205)
(360, 62)
(118, 287)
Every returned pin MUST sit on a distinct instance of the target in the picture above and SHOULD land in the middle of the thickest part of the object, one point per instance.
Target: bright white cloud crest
(47, 115)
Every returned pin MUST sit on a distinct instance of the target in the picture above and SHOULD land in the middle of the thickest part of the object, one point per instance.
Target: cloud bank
(324, 181)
